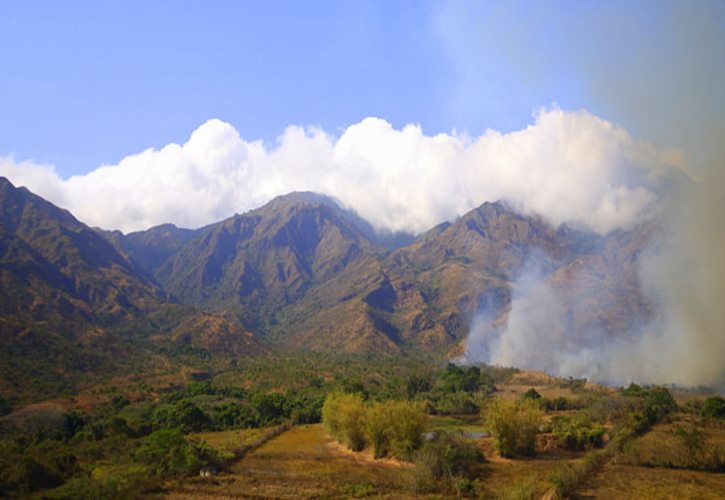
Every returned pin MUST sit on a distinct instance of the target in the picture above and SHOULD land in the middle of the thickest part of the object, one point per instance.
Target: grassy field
(622, 481)
(232, 440)
(671, 457)
(303, 462)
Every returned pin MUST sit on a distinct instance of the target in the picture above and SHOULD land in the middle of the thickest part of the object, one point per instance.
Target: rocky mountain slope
(70, 301)
(298, 273)
(306, 274)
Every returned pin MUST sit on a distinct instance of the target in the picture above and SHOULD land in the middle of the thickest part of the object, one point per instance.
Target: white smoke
(683, 275)
(567, 166)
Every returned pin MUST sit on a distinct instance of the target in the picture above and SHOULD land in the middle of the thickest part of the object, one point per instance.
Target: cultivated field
(306, 462)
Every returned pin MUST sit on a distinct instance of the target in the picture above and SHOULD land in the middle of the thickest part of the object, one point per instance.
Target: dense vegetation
(133, 439)
(514, 425)
(137, 438)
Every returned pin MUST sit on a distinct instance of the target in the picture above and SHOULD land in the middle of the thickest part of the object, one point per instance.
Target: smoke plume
(681, 274)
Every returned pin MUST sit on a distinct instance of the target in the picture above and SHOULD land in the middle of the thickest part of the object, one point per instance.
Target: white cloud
(567, 166)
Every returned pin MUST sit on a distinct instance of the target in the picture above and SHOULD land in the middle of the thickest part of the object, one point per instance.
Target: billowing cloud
(570, 167)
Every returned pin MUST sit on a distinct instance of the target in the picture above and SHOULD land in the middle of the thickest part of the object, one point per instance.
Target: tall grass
(566, 478)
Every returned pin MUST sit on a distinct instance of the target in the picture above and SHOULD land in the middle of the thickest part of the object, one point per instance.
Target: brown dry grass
(231, 440)
(301, 463)
(663, 447)
(621, 481)
(366, 456)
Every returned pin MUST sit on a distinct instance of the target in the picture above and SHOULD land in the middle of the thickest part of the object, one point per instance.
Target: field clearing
(501, 476)
(303, 462)
(453, 423)
(665, 432)
(621, 481)
(231, 440)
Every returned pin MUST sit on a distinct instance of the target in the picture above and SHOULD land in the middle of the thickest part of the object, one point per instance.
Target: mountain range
(300, 273)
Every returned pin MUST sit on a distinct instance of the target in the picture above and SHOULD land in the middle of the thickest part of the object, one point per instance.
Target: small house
(207, 472)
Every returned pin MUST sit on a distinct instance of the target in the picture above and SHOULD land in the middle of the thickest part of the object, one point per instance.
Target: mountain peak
(299, 199)
(309, 197)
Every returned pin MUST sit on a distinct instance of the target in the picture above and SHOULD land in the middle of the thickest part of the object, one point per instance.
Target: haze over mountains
(299, 273)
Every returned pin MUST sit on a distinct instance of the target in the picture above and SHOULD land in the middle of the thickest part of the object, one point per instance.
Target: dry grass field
(631, 482)
(303, 462)
(232, 440)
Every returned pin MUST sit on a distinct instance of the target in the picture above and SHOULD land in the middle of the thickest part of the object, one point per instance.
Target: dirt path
(365, 456)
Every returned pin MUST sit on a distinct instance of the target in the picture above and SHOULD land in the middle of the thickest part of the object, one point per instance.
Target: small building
(207, 472)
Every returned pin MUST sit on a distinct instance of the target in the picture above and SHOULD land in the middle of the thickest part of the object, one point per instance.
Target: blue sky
(87, 83)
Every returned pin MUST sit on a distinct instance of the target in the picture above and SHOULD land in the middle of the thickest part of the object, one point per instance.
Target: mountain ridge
(303, 273)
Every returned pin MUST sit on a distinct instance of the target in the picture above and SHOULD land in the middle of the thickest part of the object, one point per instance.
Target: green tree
(188, 417)
(514, 425)
(531, 394)
(461, 378)
(270, 407)
(234, 414)
(416, 385)
(659, 402)
(714, 407)
(577, 432)
(168, 453)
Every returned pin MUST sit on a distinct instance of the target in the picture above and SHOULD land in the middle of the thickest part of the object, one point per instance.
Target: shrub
(344, 418)
(416, 385)
(523, 489)
(359, 490)
(689, 449)
(566, 478)
(693, 441)
(560, 403)
(119, 401)
(168, 453)
(531, 394)
(714, 407)
(188, 417)
(634, 390)
(658, 403)
(448, 459)
(514, 425)
(454, 403)
(377, 429)
(233, 414)
(460, 378)
(406, 425)
(577, 433)
(331, 414)
(270, 407)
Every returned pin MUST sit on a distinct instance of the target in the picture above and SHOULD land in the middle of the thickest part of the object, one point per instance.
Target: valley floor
(305, 462)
